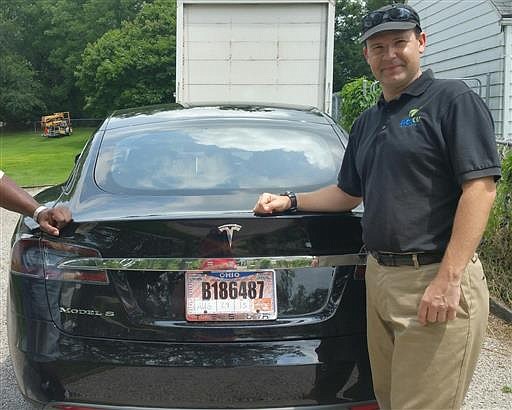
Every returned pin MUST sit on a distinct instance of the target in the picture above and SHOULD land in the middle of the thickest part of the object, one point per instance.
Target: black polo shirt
(408, 159)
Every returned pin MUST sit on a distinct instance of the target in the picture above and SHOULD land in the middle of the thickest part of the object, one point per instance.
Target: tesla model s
(166, 291)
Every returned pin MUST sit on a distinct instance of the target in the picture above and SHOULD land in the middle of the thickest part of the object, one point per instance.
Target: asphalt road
(494, 370)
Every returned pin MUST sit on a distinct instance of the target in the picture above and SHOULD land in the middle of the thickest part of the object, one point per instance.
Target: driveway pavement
(493, 373)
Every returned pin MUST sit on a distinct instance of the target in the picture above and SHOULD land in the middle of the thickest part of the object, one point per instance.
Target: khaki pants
(422, 367)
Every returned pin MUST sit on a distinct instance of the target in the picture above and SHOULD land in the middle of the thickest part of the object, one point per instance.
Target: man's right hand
(270, 203)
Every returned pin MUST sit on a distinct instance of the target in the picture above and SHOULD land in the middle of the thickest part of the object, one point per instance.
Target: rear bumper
(80, 406)
(53, 367)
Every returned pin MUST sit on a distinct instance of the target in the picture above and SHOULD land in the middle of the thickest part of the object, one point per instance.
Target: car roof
(177, 112)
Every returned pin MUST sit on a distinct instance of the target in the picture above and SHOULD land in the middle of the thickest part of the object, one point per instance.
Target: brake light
(41, 258)
(27, 258)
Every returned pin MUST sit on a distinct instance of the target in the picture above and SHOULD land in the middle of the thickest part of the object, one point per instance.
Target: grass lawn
(33, 160)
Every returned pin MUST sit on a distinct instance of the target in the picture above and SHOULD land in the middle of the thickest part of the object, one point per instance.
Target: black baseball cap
(391, 17)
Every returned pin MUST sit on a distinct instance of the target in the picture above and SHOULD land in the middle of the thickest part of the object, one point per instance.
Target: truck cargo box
(270, 51)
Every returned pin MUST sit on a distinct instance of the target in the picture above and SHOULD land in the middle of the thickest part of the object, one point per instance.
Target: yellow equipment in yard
(55, 125)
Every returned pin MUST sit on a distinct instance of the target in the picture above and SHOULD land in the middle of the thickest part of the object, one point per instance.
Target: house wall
(507, 130)
(465, 40)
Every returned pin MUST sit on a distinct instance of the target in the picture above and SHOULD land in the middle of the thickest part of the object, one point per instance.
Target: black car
(166, 291)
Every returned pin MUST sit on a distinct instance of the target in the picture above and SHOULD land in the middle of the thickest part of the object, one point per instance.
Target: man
(13, 198)
(424, 160)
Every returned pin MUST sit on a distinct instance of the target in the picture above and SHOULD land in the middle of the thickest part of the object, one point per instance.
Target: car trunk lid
(144, 263)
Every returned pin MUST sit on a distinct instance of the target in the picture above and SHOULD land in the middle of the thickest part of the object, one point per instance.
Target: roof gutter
(507, 79)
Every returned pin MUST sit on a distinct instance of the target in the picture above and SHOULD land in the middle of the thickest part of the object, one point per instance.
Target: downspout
(507, 79)
(180, 58)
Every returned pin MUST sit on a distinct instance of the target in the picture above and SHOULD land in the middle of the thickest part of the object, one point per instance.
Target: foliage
(133, 65)
(20, 96)
(357, 96)
(51, 36)
(348, 55)
(33, 160)
(496, 246)
(501, 214)
(20, 88)
(71, 29)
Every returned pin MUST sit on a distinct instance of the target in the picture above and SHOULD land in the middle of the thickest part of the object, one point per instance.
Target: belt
(406, 259)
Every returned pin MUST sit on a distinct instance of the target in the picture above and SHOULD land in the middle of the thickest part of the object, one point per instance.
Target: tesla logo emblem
(230, 230)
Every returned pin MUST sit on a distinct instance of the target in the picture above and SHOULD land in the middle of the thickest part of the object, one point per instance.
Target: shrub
(357, 96)
(496, 246)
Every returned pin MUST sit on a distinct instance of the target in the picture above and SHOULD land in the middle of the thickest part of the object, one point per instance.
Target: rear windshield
(212, 157)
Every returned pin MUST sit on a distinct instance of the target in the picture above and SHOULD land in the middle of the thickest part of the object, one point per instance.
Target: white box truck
(255, 51)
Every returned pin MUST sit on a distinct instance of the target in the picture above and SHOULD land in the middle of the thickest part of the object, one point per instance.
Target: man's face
(394, 57)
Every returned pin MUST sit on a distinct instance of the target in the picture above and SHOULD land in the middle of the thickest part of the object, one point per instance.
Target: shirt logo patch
(412, 120)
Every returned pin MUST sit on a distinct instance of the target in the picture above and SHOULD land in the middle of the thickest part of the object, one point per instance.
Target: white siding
(465, 40)
(508, 86)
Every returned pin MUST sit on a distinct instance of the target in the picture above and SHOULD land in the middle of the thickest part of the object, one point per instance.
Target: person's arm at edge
(16, 199)
(469, 225)
(328, 199)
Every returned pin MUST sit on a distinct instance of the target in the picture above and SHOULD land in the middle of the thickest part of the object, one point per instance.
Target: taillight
(42, 258)
(27, 258)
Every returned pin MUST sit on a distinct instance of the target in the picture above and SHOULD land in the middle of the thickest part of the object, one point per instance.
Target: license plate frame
(222, 306)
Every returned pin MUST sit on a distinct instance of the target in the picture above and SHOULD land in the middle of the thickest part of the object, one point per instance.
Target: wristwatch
(293, 200)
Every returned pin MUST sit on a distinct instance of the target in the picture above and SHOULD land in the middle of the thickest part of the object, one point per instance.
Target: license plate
(230, 295)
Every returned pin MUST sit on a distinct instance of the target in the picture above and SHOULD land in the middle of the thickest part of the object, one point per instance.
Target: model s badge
(230, 230)
(88, 312)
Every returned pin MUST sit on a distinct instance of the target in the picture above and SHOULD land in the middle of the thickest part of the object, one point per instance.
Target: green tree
(133, 65)
(24, 26)
(357, 96)
(348, 52)
(20, 91)
(73, 25)
(52, 35)
(496, 246)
